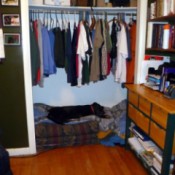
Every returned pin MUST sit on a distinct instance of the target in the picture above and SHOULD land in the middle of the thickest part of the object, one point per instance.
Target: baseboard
(21, 152)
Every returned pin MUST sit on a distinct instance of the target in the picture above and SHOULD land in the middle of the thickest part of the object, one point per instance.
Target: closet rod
(110, 10)
(77, 12)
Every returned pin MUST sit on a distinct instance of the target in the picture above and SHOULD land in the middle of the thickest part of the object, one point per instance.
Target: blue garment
(52, 41)
(93, 35)
(48, 59)
(128, 43)
(122, 122)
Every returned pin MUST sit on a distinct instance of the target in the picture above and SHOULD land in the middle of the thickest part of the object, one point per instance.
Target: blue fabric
(38, 112)
(93, 35)
(112, 140)
(52, 41)
(48, 60)
(4, 162)
(122, 123)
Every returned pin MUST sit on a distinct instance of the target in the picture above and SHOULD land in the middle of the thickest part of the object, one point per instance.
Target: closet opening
(80, 57)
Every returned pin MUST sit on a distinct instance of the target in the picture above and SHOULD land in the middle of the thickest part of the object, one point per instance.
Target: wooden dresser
(155, 115)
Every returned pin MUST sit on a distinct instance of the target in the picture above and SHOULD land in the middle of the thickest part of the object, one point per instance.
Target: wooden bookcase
(150, 110)
(155, 115)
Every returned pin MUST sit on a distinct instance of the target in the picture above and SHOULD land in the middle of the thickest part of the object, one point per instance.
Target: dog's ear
(98, 110)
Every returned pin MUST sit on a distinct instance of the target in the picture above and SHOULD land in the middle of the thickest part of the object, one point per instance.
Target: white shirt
(82, 42)
(122, 54)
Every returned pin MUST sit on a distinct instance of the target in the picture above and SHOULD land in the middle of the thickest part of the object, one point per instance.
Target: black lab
(62, 115)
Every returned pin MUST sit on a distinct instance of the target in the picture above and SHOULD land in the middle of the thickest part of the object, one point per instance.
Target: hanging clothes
(34, 52)
(98, 41)
(113, 53)
(81, 51)
(35, 29)
(109, 48)
(59, 49)
(73, 59)
(52, 42)
(131, 62)
(122, 54)
(40, 41)
(68, 54)
(87, 61)
(48, 60)
(89, 56)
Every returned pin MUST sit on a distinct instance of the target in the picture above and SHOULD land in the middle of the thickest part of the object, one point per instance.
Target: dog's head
(98, 110)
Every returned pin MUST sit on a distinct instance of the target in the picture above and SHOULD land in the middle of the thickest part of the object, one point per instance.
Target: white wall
(57, 91)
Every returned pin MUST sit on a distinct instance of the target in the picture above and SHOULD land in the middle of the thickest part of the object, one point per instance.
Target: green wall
(13, 120)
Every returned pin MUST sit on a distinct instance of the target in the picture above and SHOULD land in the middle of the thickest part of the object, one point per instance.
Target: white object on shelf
(153, 10)
(149, 35)
(135, 145)
(166, 33)
(57, 2)
(35, 2)
(64, 2)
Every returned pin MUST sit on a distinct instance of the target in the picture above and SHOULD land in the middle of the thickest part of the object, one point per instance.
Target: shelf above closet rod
(77, 8)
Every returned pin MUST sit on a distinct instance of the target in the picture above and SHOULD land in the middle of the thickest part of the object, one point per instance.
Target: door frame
(31, 149)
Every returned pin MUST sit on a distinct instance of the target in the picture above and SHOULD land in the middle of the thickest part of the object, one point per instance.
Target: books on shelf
(151, 85)
(167, 78)
(135, 145)
(139, 133)
(161, 8)
(147, 158)
(149, 146)
(160, 35)
(145, 141)
(153, 81)
(153, 10)
(148, 151)
(157, 166)
(153, 171)
(154, 78)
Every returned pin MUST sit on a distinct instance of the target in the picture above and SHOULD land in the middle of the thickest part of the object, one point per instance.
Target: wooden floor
(80, 160)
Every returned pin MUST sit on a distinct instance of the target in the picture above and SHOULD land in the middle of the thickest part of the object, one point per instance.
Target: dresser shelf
(153, 113)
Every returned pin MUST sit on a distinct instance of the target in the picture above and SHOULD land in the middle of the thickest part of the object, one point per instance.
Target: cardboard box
(133, 3)
(101, 3)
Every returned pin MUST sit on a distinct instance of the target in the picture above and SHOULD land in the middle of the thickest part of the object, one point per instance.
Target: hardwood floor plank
(80, 160)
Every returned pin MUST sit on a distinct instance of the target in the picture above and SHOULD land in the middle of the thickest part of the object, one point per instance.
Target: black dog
(62, 115)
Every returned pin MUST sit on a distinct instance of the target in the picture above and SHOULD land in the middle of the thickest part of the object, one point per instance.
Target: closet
(56, 91)
(56, 85)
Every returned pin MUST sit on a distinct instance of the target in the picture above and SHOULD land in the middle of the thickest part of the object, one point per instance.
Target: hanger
(68, 16)
(44, 18)
(62, 20)
(74, 19)
(105, 16)
(93, 22)
(31, 15)
(117, 21)
(51, 21)
(57, 20)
